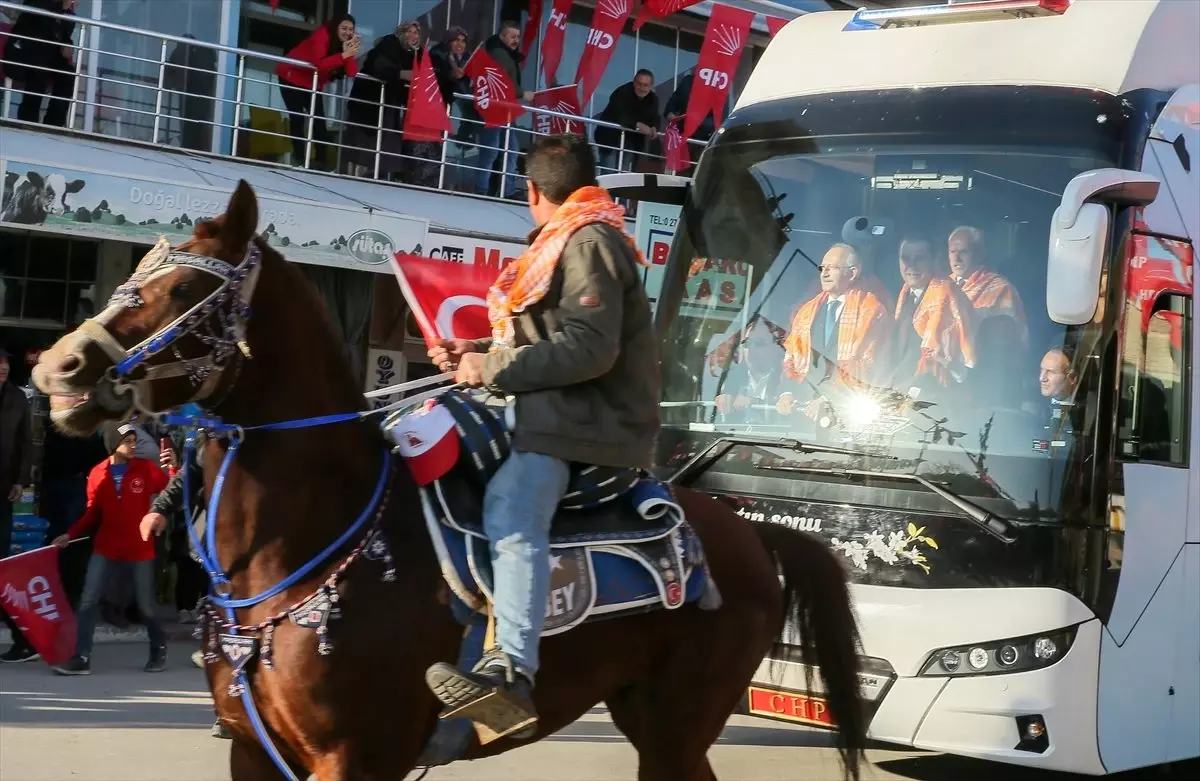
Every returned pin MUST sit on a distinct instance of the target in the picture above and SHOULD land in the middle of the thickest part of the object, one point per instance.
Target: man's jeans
(517, 509)
(93, 587)
(491, 146)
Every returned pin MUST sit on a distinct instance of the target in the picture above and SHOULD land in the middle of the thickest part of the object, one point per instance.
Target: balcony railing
(166, 99)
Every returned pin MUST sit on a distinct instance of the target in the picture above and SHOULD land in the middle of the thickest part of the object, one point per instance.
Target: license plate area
(788, 705)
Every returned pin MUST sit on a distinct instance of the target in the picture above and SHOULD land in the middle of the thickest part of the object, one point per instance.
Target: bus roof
(1109, 45)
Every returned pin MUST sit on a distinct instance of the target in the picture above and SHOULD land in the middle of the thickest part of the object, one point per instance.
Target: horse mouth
(76, 414)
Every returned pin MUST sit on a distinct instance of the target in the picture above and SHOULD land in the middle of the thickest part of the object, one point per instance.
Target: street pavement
(121, 724)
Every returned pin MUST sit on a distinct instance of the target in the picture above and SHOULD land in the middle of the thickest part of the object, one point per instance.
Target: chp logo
(491, 85)
(371, 247)
(613, 9)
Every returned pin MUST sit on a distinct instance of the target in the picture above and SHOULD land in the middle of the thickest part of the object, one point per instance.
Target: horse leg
(675, 714)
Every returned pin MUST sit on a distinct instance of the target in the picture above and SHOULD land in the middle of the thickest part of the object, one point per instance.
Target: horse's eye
(180, 291)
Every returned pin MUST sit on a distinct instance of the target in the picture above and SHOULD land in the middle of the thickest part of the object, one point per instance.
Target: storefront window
(128, 81)
(46, 279)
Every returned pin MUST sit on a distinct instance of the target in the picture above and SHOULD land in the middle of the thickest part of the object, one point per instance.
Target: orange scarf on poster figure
(525, 281)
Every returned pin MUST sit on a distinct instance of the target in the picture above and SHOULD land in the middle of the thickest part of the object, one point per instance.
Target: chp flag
(552, 44)
(448, 300)
(496, 96)
(724, 39)
(607, 21)
(426, 118)
(32, 595)
(660, 9)
(564, 100)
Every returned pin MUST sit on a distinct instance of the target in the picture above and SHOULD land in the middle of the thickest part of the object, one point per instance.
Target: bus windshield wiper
(986, 520)
(716, 449)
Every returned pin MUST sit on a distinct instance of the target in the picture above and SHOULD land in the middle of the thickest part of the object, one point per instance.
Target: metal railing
(153, 99)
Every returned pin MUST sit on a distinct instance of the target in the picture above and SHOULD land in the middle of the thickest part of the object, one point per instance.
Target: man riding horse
(572, 340)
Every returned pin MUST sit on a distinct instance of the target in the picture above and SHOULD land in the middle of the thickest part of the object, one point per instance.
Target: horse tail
(817, 605)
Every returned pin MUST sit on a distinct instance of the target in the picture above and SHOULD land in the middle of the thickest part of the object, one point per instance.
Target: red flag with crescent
(724, 39)
(448, 300)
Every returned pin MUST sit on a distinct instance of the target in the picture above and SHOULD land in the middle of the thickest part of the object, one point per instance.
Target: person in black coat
(39, 54)
(633, 106)
(389, 66)
(677, 106)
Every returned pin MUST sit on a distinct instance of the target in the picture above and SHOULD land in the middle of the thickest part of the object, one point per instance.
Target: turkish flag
(775, 24)
(552, 45)
(659, 9)
(448, 300)
(496, 96)
(532, 24)
(607, 21)
(564, 100)
(724, 39)
(32, 594)
(675, 148)
(426, 118)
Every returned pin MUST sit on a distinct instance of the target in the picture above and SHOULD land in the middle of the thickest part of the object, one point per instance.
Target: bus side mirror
(1079, 238)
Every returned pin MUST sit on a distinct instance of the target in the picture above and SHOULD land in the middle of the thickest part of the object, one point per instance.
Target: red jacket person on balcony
(331, 50)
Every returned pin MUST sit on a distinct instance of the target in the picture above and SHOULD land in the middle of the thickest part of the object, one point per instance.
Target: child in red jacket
(331, 50)
(119, 490)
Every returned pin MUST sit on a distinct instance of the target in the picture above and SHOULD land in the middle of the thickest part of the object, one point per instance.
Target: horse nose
(70, 364)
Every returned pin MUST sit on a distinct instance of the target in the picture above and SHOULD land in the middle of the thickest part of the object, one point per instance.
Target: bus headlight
(1016, 654)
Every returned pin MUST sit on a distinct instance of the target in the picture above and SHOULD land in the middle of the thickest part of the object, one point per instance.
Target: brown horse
(362, 712)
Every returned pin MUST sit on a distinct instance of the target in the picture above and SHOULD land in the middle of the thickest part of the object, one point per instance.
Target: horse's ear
(241, 217)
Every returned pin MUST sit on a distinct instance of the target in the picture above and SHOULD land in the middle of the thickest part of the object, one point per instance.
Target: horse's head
(168, 334)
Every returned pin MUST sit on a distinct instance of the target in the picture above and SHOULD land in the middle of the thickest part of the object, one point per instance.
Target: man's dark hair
(509, 24)
(560, 165)
(644, 72)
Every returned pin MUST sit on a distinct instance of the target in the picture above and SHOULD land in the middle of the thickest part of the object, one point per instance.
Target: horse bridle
(218, 320)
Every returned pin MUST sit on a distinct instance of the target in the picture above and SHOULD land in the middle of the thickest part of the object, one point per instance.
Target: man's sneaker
(511, 714)
(198, 659)
(18, 654)
(77, 665)
(158, 660)
(220, 731)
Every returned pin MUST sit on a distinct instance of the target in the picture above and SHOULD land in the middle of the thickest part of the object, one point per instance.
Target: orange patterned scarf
(525, 281)
(864, 331)
(943, 321)
(993, 295)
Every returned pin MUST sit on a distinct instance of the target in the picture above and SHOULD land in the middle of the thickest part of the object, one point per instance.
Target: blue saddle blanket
(633, 554)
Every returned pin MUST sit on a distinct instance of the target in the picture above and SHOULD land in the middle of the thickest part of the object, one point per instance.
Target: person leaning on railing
(390, 65)
(39, 53)
(331, 49)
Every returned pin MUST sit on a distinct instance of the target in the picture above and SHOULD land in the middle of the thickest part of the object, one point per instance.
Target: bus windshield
(883, 293)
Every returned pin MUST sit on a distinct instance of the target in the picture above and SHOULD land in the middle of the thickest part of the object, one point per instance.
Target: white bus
(1015, 492)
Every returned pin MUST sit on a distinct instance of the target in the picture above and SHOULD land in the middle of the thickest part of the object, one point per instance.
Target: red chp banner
(32, 594)
(724, 40)
(659, 9)
(495, 94)
(426, 118)
(564, 100)
(448, 300)
(607, 21)
(532, 25)
(552, 45)
(775, 24)
(675, 148)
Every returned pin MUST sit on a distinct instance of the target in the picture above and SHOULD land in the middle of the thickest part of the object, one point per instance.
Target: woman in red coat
(331, 49)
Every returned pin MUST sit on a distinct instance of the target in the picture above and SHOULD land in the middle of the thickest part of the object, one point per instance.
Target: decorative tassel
(334, 610)
(210, 653)
(324, 647)
(389, 572)
(268, 635)
(236, 687)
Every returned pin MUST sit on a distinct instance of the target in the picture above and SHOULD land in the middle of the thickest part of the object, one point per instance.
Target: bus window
(1156, 371)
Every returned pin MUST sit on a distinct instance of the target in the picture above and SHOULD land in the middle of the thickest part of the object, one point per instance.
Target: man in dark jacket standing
(39, 53)
(633, 106)
(16, 447)
(505, 48)
(572, 340)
